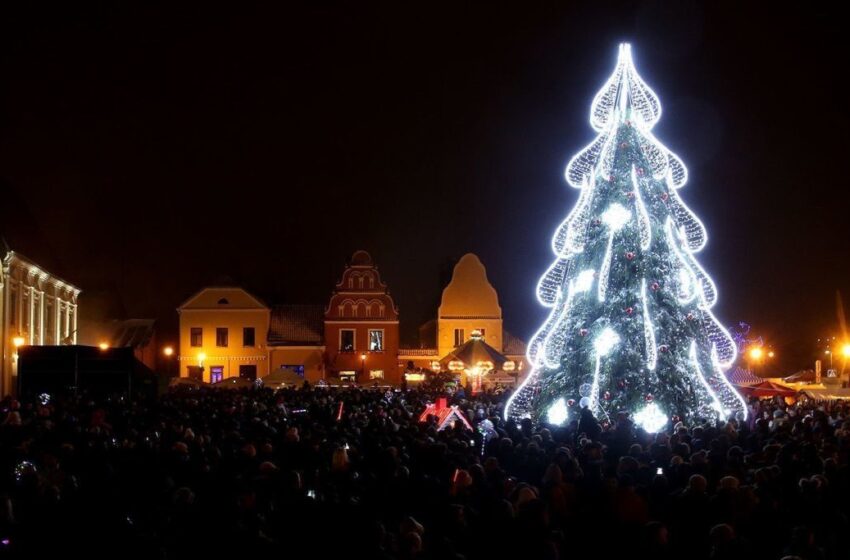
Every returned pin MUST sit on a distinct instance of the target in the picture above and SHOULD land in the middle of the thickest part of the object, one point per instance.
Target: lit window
(346, 340)
(376, 340)
(347, 375)
(376, 374)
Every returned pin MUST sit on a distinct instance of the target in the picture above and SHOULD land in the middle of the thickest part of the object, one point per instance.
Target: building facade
(223, 333)
(297, 340)
(469, 304)
(361, 326)
(36, 309)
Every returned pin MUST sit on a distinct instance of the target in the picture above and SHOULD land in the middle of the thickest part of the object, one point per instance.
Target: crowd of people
(322, 472)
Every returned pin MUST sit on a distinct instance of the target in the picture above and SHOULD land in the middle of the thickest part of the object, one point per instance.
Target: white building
(36, 308)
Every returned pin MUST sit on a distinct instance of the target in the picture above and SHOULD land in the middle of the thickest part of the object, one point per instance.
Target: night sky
(148, 150)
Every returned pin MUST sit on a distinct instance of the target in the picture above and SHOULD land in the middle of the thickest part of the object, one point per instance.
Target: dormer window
(223, 301)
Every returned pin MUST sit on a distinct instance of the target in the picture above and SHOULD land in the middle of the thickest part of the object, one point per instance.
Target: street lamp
(168, 351)
(828, 353)
(103, 346)
(363, 366)
(755, 356)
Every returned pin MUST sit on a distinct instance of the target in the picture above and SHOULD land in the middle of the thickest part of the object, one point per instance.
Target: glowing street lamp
(18, 341)
(103, 346)
(201, 358)
(168, 351)
(846, 350)
(756, 353)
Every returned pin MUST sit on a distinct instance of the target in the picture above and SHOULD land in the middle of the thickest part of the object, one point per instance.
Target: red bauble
(648, 398)
(655, 286)
(582, 332)
(676, 418)
(571, 402)
(629, 310)
(624, 145)
(630, 194)
(640, 171)
(606, 396)
(663, 348)
(630, 255)
(596, 222)
(664, 196)
(690, 316)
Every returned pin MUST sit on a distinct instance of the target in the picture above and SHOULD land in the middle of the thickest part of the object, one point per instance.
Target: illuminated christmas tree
(630, 327)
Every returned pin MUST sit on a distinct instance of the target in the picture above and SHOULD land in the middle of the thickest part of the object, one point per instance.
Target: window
(49, 320)
(196, 337)
(216, 374)
(221, 337)
(376, 374)
(482, 333)
(248, 336)
(13, 306)
(248, 372)
(347, 375)
(25, 310)
(458, 337)
(376, 340)
(346, 340)
(223, 301)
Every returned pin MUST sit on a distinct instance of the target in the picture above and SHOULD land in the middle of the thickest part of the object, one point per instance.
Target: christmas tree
(630, 327)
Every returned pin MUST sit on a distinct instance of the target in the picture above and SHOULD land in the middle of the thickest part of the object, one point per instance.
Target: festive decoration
(558, 412)
(446, 415)
(611, 345)
(650, 418)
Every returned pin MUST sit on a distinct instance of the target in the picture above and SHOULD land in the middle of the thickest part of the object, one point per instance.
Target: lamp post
(168, 352)
(363, 367)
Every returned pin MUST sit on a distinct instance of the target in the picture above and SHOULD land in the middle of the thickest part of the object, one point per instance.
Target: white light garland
(604, 343)
(648, 331)
(615, 217)
(644, 226)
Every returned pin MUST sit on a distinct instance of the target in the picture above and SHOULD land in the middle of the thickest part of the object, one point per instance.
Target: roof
(297, 325)
(469, 293)
(222, 297)
(741, 376)
(133, 333)
(511, 345)
(473, 351)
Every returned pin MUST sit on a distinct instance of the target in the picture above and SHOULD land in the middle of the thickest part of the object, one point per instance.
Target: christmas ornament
(629, 310)
(655, 286)
(582, 332)
(630, 255)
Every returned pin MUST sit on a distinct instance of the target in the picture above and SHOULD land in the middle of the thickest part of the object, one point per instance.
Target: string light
(648, 331)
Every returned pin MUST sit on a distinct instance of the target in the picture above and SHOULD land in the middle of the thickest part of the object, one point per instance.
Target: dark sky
(147, 149)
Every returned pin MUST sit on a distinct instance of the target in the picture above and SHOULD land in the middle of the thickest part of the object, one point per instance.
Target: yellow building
(469, 304)
(223, 333)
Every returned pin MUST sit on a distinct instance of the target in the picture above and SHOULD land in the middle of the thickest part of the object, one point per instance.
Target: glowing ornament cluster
(650, 418)
(629, 230)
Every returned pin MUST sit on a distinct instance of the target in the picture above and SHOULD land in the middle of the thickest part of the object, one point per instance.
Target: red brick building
(361, 326)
